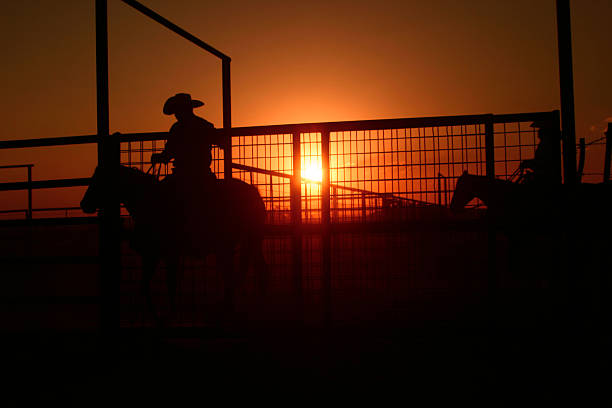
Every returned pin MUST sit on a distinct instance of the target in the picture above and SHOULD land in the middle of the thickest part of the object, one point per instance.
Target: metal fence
(377, 170)
(357, 219)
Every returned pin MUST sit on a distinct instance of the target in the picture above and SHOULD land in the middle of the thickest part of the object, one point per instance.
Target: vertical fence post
(296, 214)
(440, 189)
(334, 197)
(363, 207)
(491, 232)
(326, 227)
(325, 185)
(566, 85)
(108, 160)
(446, 191)
(556, 127)
(581, 158)
(227, 116)
(29, 215)
(306, 200)
(271, 194)
(489, 147)
(606, 174)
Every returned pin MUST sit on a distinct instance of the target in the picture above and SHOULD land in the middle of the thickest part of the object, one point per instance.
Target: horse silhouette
(511, 207)
(529, 217)
(537, 207)
(163, 232)
(558, 235)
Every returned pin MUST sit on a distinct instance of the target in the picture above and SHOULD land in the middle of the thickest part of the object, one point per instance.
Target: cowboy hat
(180, 101)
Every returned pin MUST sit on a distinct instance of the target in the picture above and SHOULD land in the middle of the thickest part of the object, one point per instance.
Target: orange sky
(292, 62)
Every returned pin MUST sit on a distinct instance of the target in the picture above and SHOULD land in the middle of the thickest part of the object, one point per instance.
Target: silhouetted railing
(366, 215)
(371, 166)
(411, 160)
(596, 148)
(28, 212)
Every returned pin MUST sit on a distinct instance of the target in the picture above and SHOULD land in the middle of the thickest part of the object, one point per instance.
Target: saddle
(191, 201)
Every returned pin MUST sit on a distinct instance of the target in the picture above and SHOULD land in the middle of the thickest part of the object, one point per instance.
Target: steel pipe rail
(293, 128)
(59, 183)
(176, 29)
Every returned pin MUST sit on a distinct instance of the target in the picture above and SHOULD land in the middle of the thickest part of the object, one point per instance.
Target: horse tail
(252, 251)
(256, 242)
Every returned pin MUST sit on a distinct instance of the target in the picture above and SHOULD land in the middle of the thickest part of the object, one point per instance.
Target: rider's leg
(172, 276)
(225, 261)
(149, 264)
(251, 252)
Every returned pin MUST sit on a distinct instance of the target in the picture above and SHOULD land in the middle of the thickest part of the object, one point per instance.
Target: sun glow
(312, 172)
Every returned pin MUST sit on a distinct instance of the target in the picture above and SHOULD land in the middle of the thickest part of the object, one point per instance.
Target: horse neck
(135, 190)
(481, 187)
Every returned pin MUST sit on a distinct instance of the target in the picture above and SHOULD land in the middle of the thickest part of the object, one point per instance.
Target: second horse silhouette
(163, 232)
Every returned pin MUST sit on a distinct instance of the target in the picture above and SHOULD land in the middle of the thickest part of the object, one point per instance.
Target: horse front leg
(173, 269)
(149, 264)
(225, 259)
(252, 252)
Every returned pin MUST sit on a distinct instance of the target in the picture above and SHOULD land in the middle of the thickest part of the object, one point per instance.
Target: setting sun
(312, 172)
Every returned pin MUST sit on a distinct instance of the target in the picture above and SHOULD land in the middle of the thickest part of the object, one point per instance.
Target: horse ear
(464, 172)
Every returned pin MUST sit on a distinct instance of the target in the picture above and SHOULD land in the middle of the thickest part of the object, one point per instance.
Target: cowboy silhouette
(545, 167)
(189, 143)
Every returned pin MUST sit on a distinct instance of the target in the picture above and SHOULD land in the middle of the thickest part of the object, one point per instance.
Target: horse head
(463, 193)
(91, 201)
(128, 184)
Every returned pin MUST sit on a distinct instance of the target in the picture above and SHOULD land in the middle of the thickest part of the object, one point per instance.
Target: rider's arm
(528, 164)
(168, 153)
(216, 137)
(169, 149)
(164, 157)
(213, 136)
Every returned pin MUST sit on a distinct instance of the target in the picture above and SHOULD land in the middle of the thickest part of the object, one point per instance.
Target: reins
(156, 167)
(518, 176)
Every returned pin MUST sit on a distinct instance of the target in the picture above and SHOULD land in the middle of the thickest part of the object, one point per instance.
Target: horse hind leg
(149, 265)
(173, 268)
(256, 256)
(225, 260)
(243, 264)
(251, 255)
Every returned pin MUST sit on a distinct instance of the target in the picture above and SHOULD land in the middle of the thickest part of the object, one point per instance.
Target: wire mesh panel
(265, 161)
(312, 173)
(137, 154)
(376, 173)
(514, 142)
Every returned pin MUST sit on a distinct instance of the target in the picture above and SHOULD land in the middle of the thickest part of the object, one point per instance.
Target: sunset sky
(292, 62)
